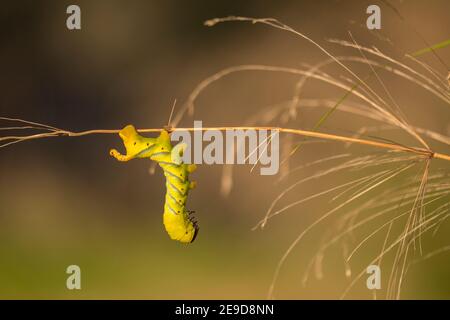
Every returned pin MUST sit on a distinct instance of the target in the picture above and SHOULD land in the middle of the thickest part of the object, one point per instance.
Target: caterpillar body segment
(178, 222)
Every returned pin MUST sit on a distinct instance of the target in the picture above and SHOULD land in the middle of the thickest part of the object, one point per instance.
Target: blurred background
(64, 201)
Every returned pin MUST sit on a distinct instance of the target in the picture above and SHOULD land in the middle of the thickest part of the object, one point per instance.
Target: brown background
(65, 201)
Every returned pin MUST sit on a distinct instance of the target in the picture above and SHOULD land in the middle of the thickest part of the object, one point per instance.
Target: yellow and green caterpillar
(178, 221)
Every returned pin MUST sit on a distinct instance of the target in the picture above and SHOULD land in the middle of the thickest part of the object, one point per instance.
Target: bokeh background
(64, 201)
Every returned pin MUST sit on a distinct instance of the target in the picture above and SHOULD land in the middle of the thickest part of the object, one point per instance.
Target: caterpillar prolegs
(178, 221)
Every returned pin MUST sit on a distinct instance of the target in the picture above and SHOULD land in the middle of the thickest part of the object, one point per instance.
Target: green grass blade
(439, 45)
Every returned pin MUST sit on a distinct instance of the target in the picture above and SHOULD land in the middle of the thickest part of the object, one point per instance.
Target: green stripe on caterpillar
(179, 223)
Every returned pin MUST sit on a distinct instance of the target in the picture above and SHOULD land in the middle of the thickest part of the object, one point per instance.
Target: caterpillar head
(181, 227)
(190, 233)
(194, 224)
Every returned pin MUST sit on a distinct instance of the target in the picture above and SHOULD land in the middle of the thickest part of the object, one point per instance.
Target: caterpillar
(179, 222)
